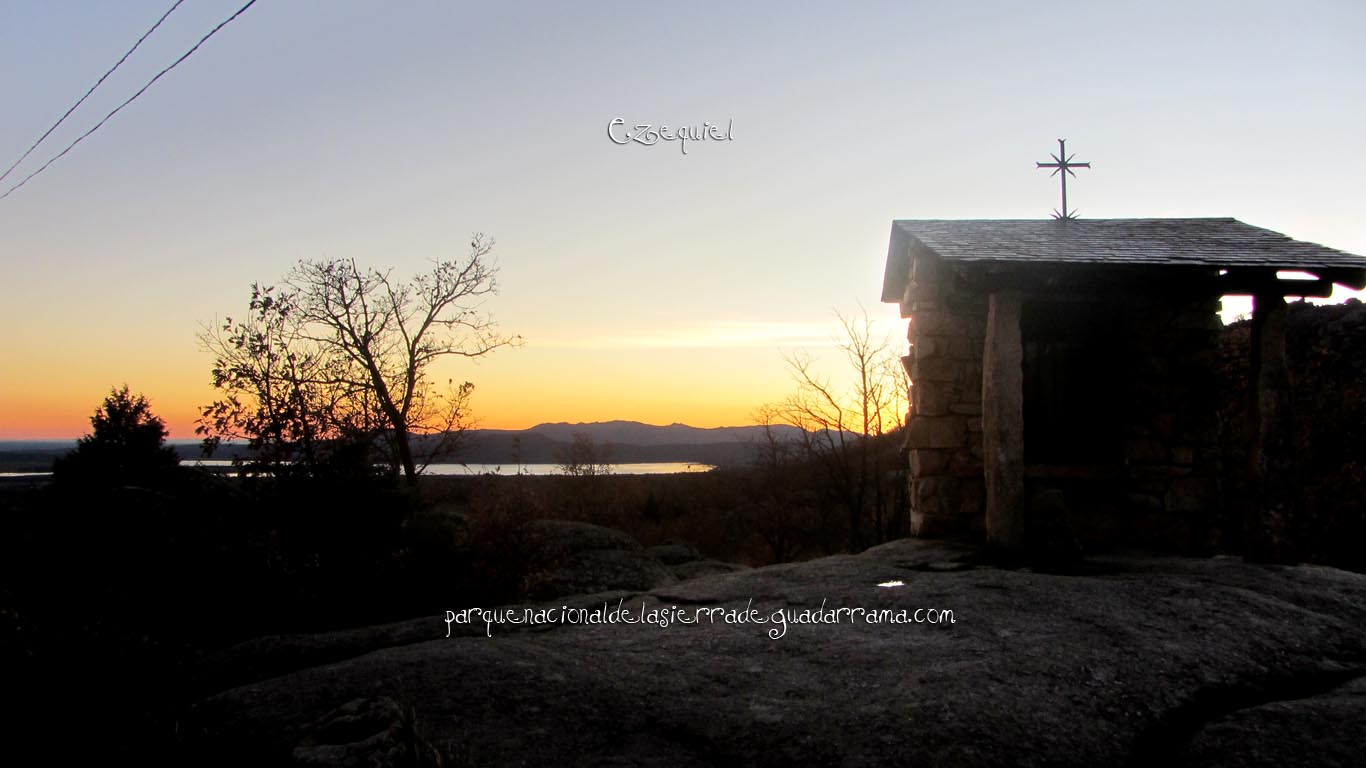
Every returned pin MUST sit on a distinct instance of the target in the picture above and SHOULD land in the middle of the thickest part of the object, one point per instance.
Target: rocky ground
(1130, 660)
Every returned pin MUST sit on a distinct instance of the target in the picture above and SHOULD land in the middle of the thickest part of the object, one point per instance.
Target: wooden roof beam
(1249, 282)
(1349, 278)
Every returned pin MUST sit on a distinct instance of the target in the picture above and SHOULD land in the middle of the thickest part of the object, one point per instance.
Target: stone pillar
(1003, 422)
(1272, 468)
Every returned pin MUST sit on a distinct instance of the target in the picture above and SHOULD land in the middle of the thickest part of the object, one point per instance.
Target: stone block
(931, 526)
(1157, 472)
(922, 296)
(934, 496)
(1151, 486)
(972, 500)
(927, 322)
(936, 432)
(930, 398)
(971, 407)
(925, 489)
(972, 375)
(964, 464)
(927, 462)
(1164, 425)
(1145, 451)
(1192, 495)
(1165, 532)
(935, 369)
(945, 506)
(963, 348)
(1143, 504)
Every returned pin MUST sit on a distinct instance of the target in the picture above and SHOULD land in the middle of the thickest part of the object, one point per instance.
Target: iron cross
(1062, 165)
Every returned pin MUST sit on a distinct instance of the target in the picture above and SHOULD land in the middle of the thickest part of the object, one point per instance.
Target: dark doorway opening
(1072, 413)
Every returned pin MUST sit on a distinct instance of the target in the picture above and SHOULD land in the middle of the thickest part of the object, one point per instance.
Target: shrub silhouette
(127, 446)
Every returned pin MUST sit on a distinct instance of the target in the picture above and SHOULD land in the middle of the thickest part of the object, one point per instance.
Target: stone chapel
(1072, 363)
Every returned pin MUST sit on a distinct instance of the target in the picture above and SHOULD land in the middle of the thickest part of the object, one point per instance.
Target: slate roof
(1224, 243)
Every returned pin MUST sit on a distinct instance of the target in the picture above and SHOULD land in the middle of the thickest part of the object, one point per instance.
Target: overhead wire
(82, 99)
(130, 99)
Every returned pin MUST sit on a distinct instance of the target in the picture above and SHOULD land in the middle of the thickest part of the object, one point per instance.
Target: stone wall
(1172, 452)
(944, 432)
(1164, 495)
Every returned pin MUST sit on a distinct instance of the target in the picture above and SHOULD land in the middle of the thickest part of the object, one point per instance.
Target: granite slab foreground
(1130, 660)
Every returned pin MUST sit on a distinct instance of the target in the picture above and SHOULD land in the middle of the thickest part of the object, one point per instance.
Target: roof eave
(897, 272)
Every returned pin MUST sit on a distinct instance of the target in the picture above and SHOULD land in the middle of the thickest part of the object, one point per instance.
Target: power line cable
(131, 99)
(81, 101)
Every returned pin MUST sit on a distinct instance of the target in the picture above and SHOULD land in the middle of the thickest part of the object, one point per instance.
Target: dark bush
(127, 446)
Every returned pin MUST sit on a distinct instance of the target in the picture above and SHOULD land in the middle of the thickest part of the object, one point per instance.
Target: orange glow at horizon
(514, 389)
(69, 419)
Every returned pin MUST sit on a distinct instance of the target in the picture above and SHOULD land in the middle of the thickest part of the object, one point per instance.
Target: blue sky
(648, 284)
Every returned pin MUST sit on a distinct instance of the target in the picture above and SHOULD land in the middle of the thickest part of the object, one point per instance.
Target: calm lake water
(652, 468)
(648, 468)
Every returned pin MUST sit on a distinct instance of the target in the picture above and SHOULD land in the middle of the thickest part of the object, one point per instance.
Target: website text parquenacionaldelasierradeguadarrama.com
(777, 620)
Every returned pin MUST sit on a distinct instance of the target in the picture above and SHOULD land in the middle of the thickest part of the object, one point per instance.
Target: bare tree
(845, 431)
(780, 511)
(586, 464)
(339, 355)
(585, 457)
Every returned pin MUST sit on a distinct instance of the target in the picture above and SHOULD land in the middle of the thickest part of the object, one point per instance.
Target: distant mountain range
(624, 442)
(636, 433)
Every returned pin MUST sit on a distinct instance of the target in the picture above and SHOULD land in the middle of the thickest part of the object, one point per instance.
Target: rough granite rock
(561, 538)
(1124, 661)
(574, 558)
(1323, 729)
(673, 552)
(599, 570)
(697, 568)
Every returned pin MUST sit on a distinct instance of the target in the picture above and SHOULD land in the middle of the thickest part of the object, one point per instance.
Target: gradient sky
(648, 285)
